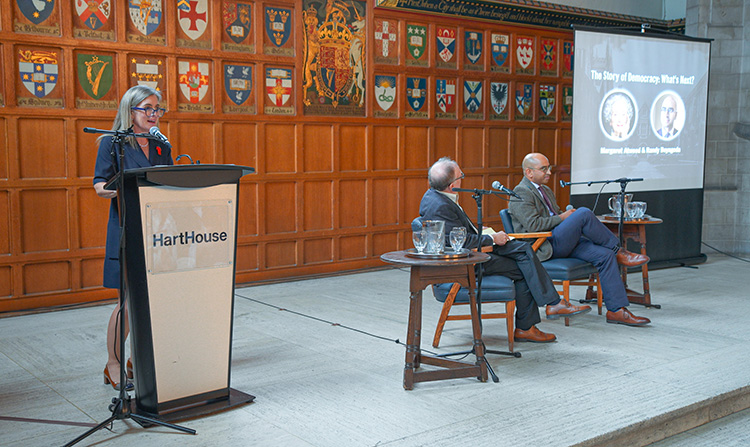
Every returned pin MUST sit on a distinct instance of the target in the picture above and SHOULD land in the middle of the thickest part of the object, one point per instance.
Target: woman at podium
(139, 111)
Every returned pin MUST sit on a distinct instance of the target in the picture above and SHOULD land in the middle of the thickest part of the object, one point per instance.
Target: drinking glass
(420, 240)
(458, 237)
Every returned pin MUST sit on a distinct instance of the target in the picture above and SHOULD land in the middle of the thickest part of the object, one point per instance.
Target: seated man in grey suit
(576, 233)
(511, 258)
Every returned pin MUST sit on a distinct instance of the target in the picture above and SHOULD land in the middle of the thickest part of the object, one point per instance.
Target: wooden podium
(180, 228)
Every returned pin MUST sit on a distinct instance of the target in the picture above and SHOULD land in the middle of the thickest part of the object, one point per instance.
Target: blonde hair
(134, 96)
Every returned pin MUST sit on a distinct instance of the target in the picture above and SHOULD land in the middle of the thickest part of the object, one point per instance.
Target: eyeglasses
(667, 110)
(459, 177)
(150, 111)
(545, 168)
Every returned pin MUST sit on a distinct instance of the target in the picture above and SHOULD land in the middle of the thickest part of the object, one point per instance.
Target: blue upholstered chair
(495, 289)
(564, 271)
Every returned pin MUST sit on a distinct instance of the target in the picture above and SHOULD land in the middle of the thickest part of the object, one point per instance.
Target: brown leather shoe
(630, 259)
(565, 309)
(624, 316)
(533, 335)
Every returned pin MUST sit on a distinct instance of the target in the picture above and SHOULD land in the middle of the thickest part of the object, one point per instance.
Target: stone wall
(726, 213)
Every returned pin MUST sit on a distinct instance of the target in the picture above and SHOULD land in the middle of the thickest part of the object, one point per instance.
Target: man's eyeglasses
(458, 178)
(667, 110)
(150, 111)
(545, 168)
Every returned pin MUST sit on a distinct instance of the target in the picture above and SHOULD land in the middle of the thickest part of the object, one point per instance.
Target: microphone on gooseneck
(154, 132)
(499, 186)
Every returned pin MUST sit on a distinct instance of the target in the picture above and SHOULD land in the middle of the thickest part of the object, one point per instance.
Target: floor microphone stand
(121, 406)
(478, 195)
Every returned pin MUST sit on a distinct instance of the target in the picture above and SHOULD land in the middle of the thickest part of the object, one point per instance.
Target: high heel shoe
(108, 380)
(129, 369)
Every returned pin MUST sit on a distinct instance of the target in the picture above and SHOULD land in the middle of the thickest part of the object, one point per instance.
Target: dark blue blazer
(436, 206)
(105, 170)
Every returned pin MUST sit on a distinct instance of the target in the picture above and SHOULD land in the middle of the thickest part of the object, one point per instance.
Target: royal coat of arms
(334, 66)
(523, 98)
(146, 15)
(385, 91)
(38, 71)
(193, 80)
(416, 93)
(445, 95)
(473, 42)
(524, 51)
(547, 99)
(498, 96)
(238, 82)
(95, 74)
(416, 36)
(473, 96)
(193, 17)
(93, 13)
(446, 43)
(37, 11)
(237, 21)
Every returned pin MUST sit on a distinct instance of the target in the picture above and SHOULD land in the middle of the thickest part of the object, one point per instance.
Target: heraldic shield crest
(445, 94)
(498, 96)
(416, 36)
(524, 51)
(238, 82)
(547, 99)
(335, 53)
(94, 14)
(36, 11)
(237, 21)
(95, 74)
(38, 71)
(473, 95)
(385, 91)
(278, 25)
(446, 42)
(500, 49)
(146, 15)
(523, 99)
(473, 46)
(416, 92)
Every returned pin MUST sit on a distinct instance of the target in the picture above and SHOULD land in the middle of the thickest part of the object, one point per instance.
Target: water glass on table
(457, 238)
(420, 240)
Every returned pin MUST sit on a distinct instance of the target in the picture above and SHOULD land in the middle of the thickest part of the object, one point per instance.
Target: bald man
(510, 258)
(576, 233)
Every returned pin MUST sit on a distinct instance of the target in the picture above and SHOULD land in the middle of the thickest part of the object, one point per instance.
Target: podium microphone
(154, 132)
(499, 186)
(563, 183)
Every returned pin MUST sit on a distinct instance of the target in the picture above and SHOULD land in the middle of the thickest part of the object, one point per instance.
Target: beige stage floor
(322, 384)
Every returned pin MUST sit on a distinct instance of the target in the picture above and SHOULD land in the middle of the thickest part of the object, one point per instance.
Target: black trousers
(517, 261)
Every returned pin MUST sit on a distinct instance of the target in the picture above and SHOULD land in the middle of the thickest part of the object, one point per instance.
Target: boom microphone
(154, 132)
(499, 186)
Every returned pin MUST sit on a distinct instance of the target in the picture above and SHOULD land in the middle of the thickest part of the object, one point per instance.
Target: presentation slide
(639, 111)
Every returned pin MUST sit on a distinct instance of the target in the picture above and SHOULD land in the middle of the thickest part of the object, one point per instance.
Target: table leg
(477, 332)
(412, 339)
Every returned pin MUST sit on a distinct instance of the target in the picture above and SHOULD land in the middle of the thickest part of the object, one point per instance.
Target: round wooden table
(425, 272)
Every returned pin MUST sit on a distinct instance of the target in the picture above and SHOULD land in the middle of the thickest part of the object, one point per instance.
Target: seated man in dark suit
(511, 258)
(576, 233)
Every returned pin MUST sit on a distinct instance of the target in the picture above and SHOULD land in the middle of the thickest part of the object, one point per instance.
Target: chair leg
(444, 313)
(510, 315)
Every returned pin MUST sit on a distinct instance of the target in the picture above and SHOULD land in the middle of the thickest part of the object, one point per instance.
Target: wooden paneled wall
(330, 194)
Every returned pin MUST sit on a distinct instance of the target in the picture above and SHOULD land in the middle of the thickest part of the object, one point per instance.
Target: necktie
(547, 202)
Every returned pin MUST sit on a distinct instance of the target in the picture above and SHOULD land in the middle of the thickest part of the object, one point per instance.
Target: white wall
(655, 9)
